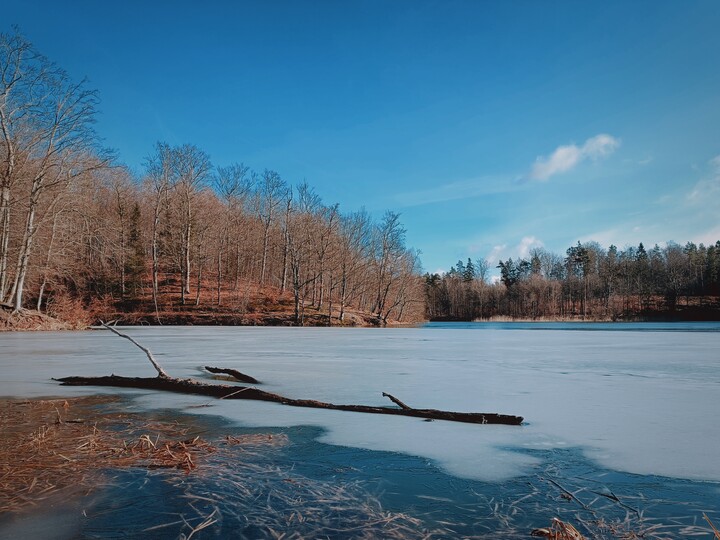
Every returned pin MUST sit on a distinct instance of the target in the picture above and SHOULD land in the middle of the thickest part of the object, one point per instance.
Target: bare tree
(353, 252)
(389, 247)
(47, 137)
(193, 170)
(160, 169)
(271, 193)
(233, 184)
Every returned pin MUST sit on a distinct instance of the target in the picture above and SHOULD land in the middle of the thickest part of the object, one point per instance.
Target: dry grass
(559, 531)
(54, 449)
(233, 486)
(54, 445)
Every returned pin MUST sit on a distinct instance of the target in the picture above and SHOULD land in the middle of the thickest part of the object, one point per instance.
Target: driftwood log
(224, 391)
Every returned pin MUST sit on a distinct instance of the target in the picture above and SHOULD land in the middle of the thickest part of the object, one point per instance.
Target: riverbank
(33, 320)
(708, 312)
(271, 314)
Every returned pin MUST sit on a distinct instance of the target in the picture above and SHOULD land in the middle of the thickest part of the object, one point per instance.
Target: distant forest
(588, 282)
(77, 228)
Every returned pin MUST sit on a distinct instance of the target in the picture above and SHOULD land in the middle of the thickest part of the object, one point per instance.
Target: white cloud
(567, 157)
(521, 250)
(562, 159)
(715, 164)
(526, 244)
(600, 146)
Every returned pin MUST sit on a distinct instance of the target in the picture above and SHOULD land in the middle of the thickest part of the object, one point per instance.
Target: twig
(569, 494)
(396, 401)
(717, 533)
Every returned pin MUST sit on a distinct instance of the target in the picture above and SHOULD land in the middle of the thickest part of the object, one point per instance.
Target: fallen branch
(239, 375)
(223, 391)
(160, 370)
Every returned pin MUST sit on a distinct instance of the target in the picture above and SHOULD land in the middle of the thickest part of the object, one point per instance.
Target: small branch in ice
(396, 401)
(239, 375)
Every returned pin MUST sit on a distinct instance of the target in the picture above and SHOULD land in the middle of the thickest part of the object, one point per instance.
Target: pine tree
(469, 272)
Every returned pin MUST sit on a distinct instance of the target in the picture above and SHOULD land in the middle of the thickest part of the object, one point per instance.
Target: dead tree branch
(223, 391)
(158, 368)
(239, 375)
(396, 401)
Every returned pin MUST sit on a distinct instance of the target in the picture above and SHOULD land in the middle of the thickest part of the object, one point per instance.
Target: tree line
(588, 282)
(75, 225)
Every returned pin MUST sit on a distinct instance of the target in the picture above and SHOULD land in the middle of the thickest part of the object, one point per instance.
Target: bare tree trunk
(343, 292)
(41, 292)
(155, 258)
(237, 268)
(4, 239)
(24, 256)
(199, 284)
(219, 273)
(121, 214)
(182, 280)
(266, 238)
(188, 230)
(330, 290)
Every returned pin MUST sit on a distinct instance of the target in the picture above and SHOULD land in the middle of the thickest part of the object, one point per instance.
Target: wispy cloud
(496, 253)
(708, 188)
(527, 244)
(565, 158)
(708, 237)
(452, 191)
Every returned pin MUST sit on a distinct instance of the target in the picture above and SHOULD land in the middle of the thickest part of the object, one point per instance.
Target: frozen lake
(639, 399)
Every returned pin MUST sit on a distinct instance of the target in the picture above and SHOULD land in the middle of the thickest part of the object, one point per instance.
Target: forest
(589, 282)
(83, 236)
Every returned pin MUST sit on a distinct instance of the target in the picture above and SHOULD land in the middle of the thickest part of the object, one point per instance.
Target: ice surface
(642, 401)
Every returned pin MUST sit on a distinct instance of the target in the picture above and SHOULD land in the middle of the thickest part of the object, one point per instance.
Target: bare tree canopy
(47, 141)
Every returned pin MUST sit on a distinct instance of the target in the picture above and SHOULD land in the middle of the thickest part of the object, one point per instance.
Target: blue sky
(492, 127)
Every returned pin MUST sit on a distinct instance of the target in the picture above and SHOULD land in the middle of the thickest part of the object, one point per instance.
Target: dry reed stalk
(712, 526)
(559, 530)
(46, 448)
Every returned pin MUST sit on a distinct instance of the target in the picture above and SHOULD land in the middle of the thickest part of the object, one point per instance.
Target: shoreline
(34, 321)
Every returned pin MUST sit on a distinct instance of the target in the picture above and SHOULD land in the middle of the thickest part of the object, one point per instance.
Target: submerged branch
(223, 391)
(239, 375)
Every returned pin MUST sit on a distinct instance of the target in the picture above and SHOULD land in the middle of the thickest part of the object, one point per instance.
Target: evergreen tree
(469, 272)
(135, 262)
